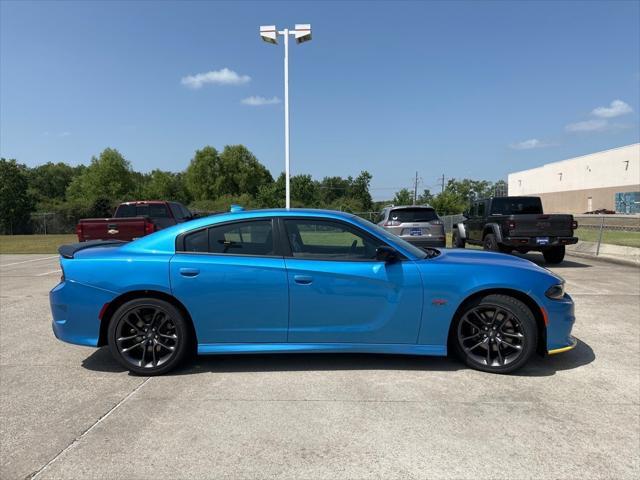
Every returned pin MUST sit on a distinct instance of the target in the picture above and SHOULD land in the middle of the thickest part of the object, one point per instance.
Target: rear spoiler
(69, 250)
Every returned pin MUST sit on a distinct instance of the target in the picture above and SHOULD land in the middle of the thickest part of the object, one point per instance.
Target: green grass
(34, 243)
(613, 237)
(50, 243)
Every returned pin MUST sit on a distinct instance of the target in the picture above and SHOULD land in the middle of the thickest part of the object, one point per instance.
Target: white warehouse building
(604, 180)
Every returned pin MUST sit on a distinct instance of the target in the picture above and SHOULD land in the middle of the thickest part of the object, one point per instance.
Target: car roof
(395, 207)
(164, 240)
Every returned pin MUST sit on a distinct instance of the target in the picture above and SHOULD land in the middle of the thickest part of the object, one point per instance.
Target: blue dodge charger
(268, 281)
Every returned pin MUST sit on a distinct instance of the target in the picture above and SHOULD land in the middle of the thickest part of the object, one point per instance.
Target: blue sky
(464, 89)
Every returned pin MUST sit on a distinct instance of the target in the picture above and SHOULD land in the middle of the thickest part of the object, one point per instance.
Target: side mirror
(386, 254)
(465, 214)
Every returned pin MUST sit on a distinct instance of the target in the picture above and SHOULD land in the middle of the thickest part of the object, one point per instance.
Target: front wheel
(148, 336)
(554, 254)
(496, 334)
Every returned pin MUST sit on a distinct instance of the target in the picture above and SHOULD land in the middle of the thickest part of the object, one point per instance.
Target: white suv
(417, 224)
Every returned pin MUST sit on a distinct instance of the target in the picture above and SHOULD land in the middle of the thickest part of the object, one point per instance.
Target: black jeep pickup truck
(505, 224)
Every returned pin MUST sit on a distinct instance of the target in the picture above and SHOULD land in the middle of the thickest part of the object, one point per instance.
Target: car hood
(482, 258)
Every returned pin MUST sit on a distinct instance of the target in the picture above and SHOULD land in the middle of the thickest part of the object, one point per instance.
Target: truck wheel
(554, 254)
(457, 241)
(490, 243)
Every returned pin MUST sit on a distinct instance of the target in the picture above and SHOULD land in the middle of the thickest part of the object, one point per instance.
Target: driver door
(340, 293)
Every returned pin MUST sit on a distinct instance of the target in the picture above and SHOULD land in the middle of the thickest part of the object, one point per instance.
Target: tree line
(212, 181)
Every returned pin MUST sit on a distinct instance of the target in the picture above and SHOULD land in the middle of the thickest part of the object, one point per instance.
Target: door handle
(303, 279)
(189, 272)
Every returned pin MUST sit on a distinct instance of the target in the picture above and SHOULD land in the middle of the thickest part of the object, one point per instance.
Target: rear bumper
(531, 242)
(425, 241)
(76, 309)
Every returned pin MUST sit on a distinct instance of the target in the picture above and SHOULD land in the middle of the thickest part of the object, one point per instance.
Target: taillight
(79, 231)
(392, 223)
(511, 225)
(574, 225)
(149, 227)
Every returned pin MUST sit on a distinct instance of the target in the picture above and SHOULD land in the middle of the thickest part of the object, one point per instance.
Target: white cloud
(587, 126)
(529, 144)
(58, 134)
(215, 77)
(615, 109)
(257, 101)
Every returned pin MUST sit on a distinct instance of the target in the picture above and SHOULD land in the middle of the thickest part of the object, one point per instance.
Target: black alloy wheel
(148, 336)
(496, 334)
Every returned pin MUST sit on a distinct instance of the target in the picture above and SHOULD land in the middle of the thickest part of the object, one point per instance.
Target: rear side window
(480, 209)
(241, 238)
(245, 238)
(197, 242)
(413, 215)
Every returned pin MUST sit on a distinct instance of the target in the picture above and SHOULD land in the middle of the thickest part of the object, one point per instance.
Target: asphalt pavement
(73, 412)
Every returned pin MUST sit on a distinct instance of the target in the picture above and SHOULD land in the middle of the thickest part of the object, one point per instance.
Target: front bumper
(76, 310)
(531, 242)
(560, 320)
(425, 241)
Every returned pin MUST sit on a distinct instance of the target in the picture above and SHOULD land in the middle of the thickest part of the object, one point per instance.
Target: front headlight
(556, 292)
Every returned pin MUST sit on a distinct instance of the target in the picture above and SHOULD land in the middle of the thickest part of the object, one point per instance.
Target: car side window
(242, 238)
(197, 242)
(329, 240)
(238, 238)
(480, 209)
(380, 217)
(473, 209)
(177, 211)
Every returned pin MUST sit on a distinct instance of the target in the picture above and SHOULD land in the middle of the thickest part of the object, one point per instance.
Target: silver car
(417, 224)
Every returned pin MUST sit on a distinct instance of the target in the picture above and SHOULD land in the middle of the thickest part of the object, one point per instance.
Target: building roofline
(575, 158)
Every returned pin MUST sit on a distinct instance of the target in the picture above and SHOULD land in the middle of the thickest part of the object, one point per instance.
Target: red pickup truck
(133, 220)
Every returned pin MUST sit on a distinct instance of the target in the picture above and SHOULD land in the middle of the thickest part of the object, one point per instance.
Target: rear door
(339, 293)
(233, 284)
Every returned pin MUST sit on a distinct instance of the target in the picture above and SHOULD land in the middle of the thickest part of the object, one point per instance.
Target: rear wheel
(148, 336)
(496, 334)
(490, 243)
(456, 240)
(554, 254)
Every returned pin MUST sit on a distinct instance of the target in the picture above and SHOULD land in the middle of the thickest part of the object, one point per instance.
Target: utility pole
(442, 184)
(415, 190)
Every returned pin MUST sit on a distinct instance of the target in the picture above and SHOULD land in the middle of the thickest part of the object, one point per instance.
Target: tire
(490, 243)
(149, 336)
(503, 349)
(554, 254)
(456, 240)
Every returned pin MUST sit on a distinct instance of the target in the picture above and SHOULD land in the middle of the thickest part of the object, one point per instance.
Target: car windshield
(515, 205)
(393, 239)
(412, 215)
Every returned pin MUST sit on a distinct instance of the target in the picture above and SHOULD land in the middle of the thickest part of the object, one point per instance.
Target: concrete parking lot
(72, 412)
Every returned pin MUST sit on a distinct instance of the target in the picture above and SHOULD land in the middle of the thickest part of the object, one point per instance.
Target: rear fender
(493, 228)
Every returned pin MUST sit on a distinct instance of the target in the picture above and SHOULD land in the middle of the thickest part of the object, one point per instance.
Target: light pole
(302, 33)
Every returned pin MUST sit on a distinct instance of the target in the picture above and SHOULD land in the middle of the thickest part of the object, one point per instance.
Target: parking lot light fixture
(302, 33)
